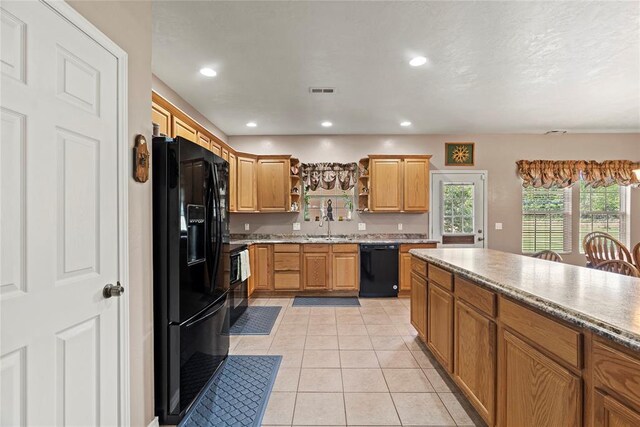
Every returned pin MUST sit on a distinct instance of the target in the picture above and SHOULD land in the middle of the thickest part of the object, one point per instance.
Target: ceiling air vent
(328, 90)
(555, 132)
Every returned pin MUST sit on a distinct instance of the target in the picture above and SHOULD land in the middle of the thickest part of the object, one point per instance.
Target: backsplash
(282, 223)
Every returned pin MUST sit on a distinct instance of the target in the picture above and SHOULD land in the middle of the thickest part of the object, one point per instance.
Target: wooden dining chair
(548, 255)
(619, 267)
(636, 255)
(603, 247)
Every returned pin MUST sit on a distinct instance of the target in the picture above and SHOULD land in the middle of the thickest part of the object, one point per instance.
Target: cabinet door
(416, 185)
(405, 272)
(344, 267)
(475, 358)
(246, 185)
(185, 130)
(419, 305)
(215, 148)
(273, 180)
(264, 267)
(440, 325)
(315, 270)
(386, 185)
(161, 117)
(225, 154)
(233, 182)
(204, 141)
(611, 413)
(534, 389)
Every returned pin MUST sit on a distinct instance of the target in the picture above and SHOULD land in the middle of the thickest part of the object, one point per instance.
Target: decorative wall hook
(142, 159)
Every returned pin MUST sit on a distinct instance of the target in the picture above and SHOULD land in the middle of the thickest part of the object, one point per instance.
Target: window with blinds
(604, 209)
(546, 219)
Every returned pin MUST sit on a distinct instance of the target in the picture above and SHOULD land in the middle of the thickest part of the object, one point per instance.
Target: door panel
(315, 270)
(419, 305)
(386, 185)
(246, 195)
(416, 185)
(183, 129)
(59, 219)
(162, 117)
(440, 325)
(345, 271)
(273, 177)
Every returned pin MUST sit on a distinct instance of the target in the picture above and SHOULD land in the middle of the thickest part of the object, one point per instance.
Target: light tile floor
(354, 366)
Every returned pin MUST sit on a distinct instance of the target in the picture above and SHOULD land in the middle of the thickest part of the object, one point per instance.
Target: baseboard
(154, 422)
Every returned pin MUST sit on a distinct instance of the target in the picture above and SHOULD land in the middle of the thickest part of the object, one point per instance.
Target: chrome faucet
(322, 220)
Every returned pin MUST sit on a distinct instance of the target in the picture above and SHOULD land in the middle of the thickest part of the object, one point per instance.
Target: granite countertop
(606, 303)
(351, 238)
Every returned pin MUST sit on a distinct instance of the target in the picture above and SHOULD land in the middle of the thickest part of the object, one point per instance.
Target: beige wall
(172, 96)
(128, 23)
(495, 153)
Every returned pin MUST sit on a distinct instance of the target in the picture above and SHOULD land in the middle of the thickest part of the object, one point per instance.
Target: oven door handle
(202, 318)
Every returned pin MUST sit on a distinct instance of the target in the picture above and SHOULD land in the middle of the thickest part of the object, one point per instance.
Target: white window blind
(546, 219)
(604, 209)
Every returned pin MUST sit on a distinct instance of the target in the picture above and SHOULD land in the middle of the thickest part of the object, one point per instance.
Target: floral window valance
(565, 173)
(327, 175)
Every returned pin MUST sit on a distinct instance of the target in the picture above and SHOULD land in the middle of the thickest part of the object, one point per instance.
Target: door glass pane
(458, 208)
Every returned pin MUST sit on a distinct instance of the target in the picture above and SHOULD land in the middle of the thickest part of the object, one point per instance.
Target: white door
(458, 208)
(59, 335)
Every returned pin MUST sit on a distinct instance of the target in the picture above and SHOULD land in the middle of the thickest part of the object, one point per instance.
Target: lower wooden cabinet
(608, 412)
(475, 358)
(419, 305)
(286, 266)
(405, 272)
(535, 390)
(344, 268)
(440, 325)
(251, 281)
(263, 267)
(315, 270)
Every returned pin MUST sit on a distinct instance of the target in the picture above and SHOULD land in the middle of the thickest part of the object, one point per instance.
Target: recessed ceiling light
(418, 61)
(405, 123)
(326, 124)
(208, 72)
(252, 124)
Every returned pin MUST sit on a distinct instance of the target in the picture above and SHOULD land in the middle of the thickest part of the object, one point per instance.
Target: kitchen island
(531, 342)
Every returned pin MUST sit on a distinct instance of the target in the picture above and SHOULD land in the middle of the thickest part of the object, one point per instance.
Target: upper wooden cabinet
(246, 194)
(162, 117)
(273, 184)
(216, 148)
(416, 185)
(386, 185)
(184, 129)
(233, 182)
(204, 140)
(394, 183)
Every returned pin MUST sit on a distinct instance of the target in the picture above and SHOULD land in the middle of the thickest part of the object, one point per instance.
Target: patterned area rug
(326, 301)
(237, 395)
(255, 321)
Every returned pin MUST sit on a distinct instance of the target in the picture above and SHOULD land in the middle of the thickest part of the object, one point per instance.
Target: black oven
(238, 289)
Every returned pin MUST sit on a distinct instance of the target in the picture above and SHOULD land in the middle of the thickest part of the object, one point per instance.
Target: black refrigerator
(190, 271)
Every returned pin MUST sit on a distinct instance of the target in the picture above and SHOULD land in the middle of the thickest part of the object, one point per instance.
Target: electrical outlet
(399, 227)
(498, 226)
(296, 226)
(246, 227)
(362, 226)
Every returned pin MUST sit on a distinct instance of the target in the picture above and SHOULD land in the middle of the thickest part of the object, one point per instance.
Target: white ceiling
(495, 67)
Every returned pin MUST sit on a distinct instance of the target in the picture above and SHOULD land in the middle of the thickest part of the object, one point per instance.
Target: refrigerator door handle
(193, 322)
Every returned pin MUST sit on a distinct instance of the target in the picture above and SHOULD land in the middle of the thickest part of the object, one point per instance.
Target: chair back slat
(600, 247)
(619, 267)
(548, 255)
(636, 255)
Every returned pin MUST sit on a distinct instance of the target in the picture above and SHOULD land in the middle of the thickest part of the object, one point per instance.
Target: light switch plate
(362, 226)
(296, 226)
(246, 227)
(399, 226)
(498, 226)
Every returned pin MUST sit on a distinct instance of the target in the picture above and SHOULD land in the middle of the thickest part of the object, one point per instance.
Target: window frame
(623, 212)
(443, 214)
(567, 221)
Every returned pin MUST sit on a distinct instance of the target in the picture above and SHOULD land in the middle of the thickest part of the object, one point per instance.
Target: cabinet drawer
(309, 247)
(286, 247)
(286, 261)
(345, 248)
(286, 281)
(616, 371)
(552, 336)
(441, 277)
(418, 266)
(476, 296)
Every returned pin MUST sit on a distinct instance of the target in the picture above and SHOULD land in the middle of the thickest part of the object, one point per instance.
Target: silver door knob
(113, 290)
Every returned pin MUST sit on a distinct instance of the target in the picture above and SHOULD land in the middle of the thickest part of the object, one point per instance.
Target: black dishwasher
(378, 270)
